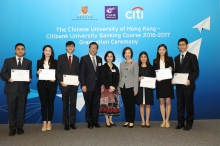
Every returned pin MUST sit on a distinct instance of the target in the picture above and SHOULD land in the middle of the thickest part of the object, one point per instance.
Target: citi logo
(136, 13)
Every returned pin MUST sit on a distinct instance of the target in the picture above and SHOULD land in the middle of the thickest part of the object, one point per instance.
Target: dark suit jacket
(9, 64)
(109, 77)
(88, 77)
(189, 65)
(42, 83)
(167, 64)
(63, 68)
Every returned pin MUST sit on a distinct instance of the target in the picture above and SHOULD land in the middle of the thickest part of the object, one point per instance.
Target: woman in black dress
(47, 88)
(145, 95)
(109, 94)
(164, 88)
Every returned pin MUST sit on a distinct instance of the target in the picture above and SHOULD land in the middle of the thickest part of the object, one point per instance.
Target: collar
(69, 55)
(92, 56)
(18, 57)
(183, 53)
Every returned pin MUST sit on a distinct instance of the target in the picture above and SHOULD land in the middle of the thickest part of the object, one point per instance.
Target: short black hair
(70, 43)
(19, 44)
(93, 43)
(182, 40)
(106, 54)
(125, 49)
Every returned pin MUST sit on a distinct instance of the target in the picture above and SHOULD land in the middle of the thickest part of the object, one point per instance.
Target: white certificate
(47, 74)
(71, 79)
(163, 74)
(180, 78)
(148, 82)
(19, 75)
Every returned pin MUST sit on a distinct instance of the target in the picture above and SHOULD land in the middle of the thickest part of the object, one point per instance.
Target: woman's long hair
(166, 59)
(51, 60)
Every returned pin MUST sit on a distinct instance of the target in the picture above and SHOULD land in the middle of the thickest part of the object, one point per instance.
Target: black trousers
(69, 97)
(129, 103)
(92, 102)
(47, 96)
(185, 103)
(16, 109)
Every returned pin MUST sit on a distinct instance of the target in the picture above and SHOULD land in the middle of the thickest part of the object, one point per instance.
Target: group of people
(101, 85)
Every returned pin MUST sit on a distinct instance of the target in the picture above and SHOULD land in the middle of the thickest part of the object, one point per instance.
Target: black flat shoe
(179, 126)
(20, 131)
(96, 125)
(67, 127)
(90, 125)
(131, 126)
(187, 127)
(73, 126)
(12, 132)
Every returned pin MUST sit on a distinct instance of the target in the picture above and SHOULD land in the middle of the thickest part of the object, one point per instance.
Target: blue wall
(32, 22)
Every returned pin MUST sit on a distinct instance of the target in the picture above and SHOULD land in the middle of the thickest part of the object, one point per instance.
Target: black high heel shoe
(109, 126)
(112, 124)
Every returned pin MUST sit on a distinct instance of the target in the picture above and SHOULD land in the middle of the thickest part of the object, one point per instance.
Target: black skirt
(164, 89)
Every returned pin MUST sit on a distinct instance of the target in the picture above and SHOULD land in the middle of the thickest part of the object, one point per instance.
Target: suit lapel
(185, 57)
(178, 60)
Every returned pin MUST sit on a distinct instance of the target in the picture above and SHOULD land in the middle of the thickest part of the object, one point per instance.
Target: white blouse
(46, 65)
(162, 64)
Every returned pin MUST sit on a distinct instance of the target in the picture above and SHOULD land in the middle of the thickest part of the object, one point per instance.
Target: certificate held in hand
(71, 80)
(148, 82)
(163, 74)
(47, 74)
(180, 78)
(19, 75)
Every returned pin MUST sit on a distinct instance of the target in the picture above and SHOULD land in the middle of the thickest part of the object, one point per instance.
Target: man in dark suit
(16, 91)
(68, 64)
(90, 80)
(186, 62)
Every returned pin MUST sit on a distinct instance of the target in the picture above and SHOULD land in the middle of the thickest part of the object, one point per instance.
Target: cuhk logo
(111, 12)
(136, 13)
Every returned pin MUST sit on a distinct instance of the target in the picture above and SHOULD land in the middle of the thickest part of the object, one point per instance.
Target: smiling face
(70, 49)
(47, 52)
(182, 46)
(162, 51)
(127, 54)
(143, 58)
(84, 10)
(109, 58)
(20, 51)
(93, 49)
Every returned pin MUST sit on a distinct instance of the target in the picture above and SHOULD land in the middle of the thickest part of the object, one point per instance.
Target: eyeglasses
(181, 44)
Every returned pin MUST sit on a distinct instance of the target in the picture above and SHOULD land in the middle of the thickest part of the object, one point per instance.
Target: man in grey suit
(68, 64)
(16, 91)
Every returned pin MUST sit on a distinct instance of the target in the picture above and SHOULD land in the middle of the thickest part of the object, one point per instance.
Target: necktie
(93, 62)
(19, 62)
(182, 59)
(70, 62)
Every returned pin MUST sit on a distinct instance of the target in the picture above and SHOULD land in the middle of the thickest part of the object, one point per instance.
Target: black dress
(145, 95)
(164, 88)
